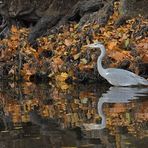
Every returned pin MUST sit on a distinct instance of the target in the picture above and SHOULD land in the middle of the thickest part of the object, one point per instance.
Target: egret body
(117, 77)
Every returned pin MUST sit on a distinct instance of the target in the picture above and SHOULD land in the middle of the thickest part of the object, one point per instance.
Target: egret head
(95, 45)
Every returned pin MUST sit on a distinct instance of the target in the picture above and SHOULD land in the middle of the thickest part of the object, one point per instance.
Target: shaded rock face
(134, 7)
(28, 13)
(62, 10)
(49, 13)
(34, 9)
(16, 8)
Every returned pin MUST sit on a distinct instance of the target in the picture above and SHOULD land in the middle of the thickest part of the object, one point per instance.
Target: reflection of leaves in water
(74, 106)
(36, 96)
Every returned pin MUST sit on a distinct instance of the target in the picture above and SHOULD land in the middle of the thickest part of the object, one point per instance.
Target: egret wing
(120, 77)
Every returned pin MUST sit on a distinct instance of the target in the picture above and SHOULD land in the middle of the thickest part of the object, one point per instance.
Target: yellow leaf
(64, 74)
(76, 56)
(127, 42)
(63, 86)
(62, 77)
(83, 61)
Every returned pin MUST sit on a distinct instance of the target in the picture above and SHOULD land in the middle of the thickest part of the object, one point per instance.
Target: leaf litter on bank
(61, 53)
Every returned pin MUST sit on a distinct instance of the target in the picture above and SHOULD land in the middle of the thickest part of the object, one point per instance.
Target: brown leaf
(68, 42)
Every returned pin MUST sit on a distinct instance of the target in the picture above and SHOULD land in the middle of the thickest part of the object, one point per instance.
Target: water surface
(54, 116)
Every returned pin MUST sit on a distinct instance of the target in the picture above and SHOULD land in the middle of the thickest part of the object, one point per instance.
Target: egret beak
(89, 45)
(93, 45)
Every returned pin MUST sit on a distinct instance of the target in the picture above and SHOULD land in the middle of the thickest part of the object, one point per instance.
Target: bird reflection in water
(116, 95)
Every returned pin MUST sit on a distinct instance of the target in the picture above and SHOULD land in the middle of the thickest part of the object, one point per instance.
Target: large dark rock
(45, 14)
(33, 10)
(78, 11)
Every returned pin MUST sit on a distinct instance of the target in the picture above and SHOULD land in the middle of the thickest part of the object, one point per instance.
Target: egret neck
(99, 61)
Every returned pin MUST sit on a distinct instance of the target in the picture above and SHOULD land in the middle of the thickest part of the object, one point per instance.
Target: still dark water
(80, 116)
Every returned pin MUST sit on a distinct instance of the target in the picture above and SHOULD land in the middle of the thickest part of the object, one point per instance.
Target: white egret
(117, 77)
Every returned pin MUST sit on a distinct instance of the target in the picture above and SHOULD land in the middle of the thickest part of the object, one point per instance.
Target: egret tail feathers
(143, 81)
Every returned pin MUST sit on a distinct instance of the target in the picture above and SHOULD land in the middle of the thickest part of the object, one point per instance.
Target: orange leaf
(68, 42)
(145, 58)
(14, 29)
(118, 56)
(112, 45)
